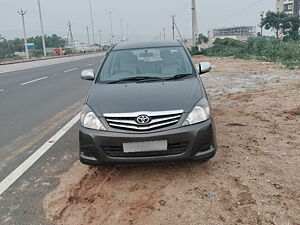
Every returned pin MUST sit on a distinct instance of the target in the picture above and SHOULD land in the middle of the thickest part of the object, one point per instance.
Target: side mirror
(204, 67)
(88, 74)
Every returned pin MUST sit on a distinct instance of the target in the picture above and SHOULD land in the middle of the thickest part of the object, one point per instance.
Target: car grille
(128, 121)
(117, 151)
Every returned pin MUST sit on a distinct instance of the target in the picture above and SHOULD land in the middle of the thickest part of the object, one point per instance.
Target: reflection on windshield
(130, 65)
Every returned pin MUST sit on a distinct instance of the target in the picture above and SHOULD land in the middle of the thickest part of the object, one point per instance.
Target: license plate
(148, 146)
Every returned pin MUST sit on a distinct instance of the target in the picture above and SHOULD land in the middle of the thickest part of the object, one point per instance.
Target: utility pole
(111, 26)
(131, 32)
(22, 13)
(92, 20)
(194, 23)
(70, 34)
(173, 25)
(42, 28)
(100, 38)
(121, 23)
(261, 25)
(164, 30)
(70, 39)
(88, 35)
(127, 31)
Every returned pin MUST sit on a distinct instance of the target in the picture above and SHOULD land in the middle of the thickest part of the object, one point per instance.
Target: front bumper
(196, 142)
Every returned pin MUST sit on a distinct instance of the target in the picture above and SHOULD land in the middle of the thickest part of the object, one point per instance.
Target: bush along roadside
(260, 48)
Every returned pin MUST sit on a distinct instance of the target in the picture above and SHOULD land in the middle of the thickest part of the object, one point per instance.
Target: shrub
(195, 50)
(260, 48)
(37, 53)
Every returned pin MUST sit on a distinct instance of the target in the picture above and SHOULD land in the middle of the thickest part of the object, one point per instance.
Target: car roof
(148, 44)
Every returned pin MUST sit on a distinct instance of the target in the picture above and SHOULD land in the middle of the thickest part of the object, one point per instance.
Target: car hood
(137, 97)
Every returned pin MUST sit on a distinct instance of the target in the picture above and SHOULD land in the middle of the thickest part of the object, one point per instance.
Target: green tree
(293, 32)
(201, 39)
(52, 41)
(8, 47)
(284, 25)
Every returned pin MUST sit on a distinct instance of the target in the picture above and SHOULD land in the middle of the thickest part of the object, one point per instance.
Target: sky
(145, 19)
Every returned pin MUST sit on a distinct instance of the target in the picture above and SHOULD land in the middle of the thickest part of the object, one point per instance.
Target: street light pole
(22, 13)
(164, 30)
(121, 23)
(100, 38)
(88, 35)
(111, 26)
(261, 26)
(92, 20)
(127, 32)
(42, 29)
(194, 22)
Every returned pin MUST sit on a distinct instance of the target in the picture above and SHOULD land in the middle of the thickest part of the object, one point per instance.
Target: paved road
(34, 104)
(47, 62)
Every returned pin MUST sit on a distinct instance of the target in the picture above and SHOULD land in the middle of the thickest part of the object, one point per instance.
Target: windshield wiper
(136, 79)
(149, 79)
(180, 76)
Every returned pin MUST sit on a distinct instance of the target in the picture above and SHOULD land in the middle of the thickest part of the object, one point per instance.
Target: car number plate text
(148, 146)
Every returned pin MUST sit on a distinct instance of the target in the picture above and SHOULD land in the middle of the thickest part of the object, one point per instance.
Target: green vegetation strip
(259, 48)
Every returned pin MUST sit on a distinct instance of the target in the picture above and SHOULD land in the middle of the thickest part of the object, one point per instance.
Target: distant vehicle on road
(59, 51)
(147, 103)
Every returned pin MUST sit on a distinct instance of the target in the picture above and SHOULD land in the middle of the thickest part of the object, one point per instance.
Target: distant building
(291, 7)
(241, 33)
(297, 7)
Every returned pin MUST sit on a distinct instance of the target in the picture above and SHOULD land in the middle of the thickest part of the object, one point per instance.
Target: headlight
(89, 120)
(200, 113)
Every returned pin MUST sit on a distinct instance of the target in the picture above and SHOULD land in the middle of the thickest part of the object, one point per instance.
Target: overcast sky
(146, 17)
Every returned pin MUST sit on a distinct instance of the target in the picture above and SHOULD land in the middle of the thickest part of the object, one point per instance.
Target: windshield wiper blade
(180, 76)
(149, 79)
(137, 79)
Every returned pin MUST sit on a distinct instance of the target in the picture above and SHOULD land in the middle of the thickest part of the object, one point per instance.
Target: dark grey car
(147, 103)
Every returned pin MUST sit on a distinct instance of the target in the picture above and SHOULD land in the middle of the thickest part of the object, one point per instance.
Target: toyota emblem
(143, 119)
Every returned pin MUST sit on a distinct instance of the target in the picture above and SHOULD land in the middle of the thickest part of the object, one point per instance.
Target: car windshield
(146, 65)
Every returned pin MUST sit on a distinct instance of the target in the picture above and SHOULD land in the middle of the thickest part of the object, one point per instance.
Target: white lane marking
(70, 70)
(64, 59)
(18, 172)
(91, 64)
(1, 90)
(29, 82)
(8, 71)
